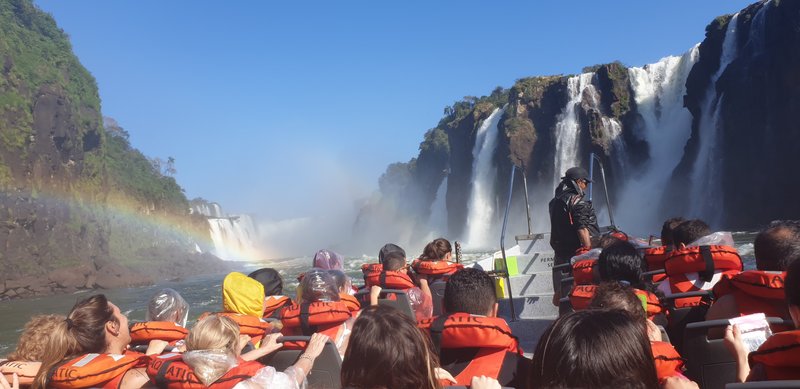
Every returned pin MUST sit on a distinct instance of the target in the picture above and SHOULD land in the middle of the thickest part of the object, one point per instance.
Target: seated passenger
(435, 261)
(613, 295)
(88, 350)
(620, 262)
(695, 267)
(31, 348)
(328, 260)
(165, 320)
(387, 350)
(318, 310)
(345, 287)
(779, 357)
(213, 359)
(594, 349)
(274, 299)
(392, 273)
(656, 256)
(243, 302)
(584, 266)
(761, 290)
(470, 339)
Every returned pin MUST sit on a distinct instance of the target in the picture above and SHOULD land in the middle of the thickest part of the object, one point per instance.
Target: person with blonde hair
(25, 360)
(213, 355)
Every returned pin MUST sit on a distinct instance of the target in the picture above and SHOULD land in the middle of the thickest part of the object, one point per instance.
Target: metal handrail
(503, 239)
(592, 158)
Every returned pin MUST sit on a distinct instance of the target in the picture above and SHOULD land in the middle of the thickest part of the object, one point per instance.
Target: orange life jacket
(350, 301)
(582, 295)
(435, 268)
(755, 291)
(703, 260)
(583, 272)
(274, 304)
(461, 330)
(668, 362)
(26, 371)
(144, 332)
(780, 356)
(321, 316)
(655, 258)
(375, 275)
(95, 371)
(255, 327)
(168, 371)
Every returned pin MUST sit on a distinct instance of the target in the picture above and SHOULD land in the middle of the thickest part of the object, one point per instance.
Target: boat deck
(530, 263)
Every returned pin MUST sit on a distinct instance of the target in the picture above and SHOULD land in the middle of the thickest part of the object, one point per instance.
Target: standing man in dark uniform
(572, 220)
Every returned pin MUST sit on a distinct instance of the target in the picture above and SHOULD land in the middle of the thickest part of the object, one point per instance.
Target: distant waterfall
(438, 214)
(233, 235)
(568, 127)
(666, 126)
(705, 178)
(480, 220)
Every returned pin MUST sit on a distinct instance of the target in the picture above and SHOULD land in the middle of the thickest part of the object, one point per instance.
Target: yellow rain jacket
(242, 294)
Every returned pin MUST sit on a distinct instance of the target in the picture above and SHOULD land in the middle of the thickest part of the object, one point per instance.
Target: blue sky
(286, 109)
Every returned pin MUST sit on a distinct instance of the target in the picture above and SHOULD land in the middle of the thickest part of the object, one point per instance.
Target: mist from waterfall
(706, 187)
(438, 215)
(481, 220)
(665, 125)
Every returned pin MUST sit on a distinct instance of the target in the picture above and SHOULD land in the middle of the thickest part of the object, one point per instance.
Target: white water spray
(480, 209)
(658, 90)
(438, 215)
(568, 127)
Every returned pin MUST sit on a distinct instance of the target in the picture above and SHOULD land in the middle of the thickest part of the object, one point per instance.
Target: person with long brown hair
(594, 349)
(88, 350)
(387, 350)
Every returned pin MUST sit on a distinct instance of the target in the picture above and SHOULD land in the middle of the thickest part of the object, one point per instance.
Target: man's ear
(681, 246)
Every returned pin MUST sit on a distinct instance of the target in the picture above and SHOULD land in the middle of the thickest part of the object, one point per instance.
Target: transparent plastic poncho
(317, 285)
(328, 260)
(591, 254)
(722, 238)
(209, 365)
(343, 282)
(167, 305)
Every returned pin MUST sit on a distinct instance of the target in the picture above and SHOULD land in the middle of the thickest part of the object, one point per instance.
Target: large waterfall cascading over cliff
(666, 126)
(438, 218)
(481, 212)
(233, 235)
(706, 174)
(568, 127)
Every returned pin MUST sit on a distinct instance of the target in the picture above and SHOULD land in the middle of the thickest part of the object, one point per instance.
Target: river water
(204, 293)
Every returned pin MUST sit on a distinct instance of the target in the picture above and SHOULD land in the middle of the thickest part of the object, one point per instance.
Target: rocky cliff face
(61, 186)
(709, 134)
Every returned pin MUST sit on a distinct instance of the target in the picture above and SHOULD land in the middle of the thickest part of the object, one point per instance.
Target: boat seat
(566, 285)
(708, 362)
(395, 298)
(789, 384)
(648, 275)
(678, 318)
(437, 292)
(564, 306)
(327, 369)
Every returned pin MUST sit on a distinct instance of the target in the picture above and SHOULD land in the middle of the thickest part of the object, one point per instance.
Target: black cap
(390, 248)
(577, 173)
(271, 279)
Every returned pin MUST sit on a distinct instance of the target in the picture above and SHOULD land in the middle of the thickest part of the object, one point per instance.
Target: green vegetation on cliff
(73, 193)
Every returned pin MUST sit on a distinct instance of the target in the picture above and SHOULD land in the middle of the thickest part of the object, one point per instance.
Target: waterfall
(480, 211)
(438, 215)
(665, 125)
(568, 127)
(706, 191)
(233, 235)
